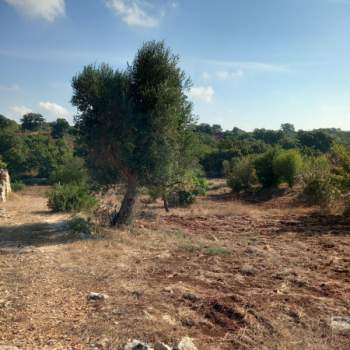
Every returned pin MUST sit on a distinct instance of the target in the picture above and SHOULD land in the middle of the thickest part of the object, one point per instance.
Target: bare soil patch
(227, 273)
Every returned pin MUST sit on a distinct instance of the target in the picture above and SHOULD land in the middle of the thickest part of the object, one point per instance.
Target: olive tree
(134, 122)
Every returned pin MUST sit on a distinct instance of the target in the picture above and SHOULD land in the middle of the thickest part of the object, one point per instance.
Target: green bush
(287, 166)
(3, 165)
(18, 186)
(241, 174)
(317, 180)
(200, 185)
(264, 168)
(70, 198)
(72, 170)
(181, 199)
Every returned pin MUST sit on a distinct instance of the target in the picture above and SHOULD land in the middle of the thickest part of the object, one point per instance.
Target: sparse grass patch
(79, 224)
(216, 251)
(188, 248)
(18, 186)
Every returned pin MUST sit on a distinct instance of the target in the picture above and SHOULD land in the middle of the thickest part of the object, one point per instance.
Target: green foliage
(18, 186)
(287, 166)
(216, 251)
(317, 139)
(70, 198)
(59, 128)
(3, 165)
(318, 187)
(264, 168)
(80, 225)
(71, 170)
(135, 124)
(184, 193)
(240, 174)
(32, 122)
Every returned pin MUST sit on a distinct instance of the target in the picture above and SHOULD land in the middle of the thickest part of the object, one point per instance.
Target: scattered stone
(168, 290)
(169, 319)
(8, 347)
(136, 345)
(248, 270)
(340, 324)
(97, 296)
(190, 296)
(161, 346)
(186, 344)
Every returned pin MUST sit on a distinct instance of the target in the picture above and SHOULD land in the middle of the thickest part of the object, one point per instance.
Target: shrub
(18, 186)
(181, 198)
(241, 174)
(287, 166)
(264, 168)
(318, 184)
(70, 197)
(200, 185)
(72, 170)
(3, 165)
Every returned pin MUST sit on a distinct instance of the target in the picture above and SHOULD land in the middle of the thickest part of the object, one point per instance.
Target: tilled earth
(229, 274)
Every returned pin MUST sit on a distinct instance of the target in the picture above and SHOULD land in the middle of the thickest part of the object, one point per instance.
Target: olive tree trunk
(125, 214)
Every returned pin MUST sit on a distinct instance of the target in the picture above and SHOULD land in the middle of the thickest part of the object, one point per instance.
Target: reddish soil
(227, 273)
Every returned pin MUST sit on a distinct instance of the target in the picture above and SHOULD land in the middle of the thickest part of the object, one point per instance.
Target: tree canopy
(134, 123)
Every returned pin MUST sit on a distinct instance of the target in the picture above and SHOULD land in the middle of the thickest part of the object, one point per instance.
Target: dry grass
(229, 274)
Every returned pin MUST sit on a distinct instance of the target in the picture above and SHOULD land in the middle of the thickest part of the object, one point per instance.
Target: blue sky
(253, 63)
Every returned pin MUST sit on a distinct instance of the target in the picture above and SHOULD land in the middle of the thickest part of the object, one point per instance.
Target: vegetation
(134, 123)
(287, 165)
(70, 198)
(241, 174)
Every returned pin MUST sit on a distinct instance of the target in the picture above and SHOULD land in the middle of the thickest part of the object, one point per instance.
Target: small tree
(59, 128)
(287, 166)
(32, 121)
(240, 174)
(264, 168)
(134, 123)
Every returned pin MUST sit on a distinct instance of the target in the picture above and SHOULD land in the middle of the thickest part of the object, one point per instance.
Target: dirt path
(228, 274)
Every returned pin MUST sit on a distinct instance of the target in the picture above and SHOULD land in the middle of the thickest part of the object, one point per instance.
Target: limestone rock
(136, 345)
(161, 346)
(97, 296)
(5, 185)
(186, 344)
(8, 347)
(340, 324)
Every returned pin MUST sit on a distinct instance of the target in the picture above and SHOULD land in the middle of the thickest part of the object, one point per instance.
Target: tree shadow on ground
(253, 197)
(315, 224)
(37, 234)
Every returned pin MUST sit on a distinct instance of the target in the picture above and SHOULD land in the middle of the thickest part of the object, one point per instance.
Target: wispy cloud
(54, 109)
(19, 111)
(10, 88)
(245, 66)
(48, 10)
(229, 75)
(134, 12)
(202, 93)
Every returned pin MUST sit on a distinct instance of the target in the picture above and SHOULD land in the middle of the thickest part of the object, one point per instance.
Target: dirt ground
(228, 273)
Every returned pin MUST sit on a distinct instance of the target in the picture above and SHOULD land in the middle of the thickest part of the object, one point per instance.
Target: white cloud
(133, 12)
(230, 75)
(205, 76)
(54, 109)
(202, 93)
(251, 66)
(9, 88)
(46, 9)
(19, 111)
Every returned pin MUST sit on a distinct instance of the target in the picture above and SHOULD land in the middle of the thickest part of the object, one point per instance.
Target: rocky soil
(226, 273)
